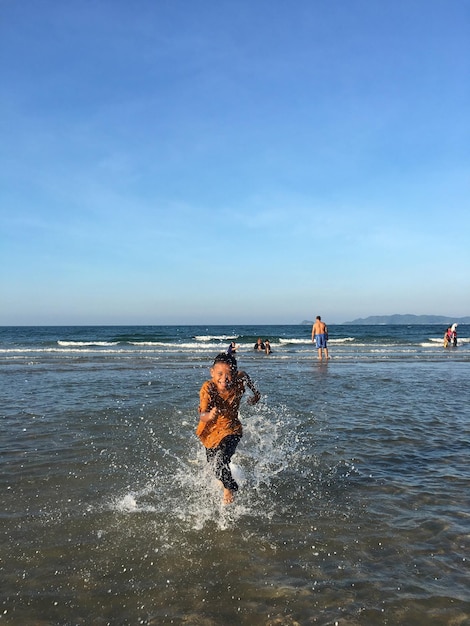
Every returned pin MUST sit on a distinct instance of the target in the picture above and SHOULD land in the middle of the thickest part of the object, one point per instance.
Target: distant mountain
(409, 319)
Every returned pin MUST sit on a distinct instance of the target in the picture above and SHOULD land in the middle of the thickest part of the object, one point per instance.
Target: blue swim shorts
(321, 340)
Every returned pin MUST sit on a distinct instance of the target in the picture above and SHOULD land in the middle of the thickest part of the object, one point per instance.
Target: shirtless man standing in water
(320, 336)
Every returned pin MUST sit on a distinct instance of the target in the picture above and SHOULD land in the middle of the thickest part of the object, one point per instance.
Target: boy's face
(222, 376)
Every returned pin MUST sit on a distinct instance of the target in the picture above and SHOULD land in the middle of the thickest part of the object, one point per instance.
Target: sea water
(354, 503)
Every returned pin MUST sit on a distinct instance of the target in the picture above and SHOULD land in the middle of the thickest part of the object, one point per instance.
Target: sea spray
(184, 488)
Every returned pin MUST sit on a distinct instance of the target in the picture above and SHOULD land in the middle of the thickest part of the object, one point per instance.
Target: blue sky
(238, 161)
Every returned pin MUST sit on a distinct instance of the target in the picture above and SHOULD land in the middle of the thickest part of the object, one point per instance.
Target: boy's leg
(220, 457)
(228, 445)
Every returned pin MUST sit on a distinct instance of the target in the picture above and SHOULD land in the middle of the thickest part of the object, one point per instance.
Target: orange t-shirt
(227, 422)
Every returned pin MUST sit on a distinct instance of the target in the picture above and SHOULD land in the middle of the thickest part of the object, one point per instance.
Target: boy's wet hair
(230, 360)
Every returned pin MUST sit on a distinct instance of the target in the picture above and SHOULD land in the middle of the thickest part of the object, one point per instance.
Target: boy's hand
(256, 397)
(209, 416)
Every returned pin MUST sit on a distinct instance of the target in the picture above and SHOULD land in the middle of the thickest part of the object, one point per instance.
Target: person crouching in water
(219, 428)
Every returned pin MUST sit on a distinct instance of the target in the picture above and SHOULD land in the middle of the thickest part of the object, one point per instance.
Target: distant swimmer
(320, 337)
(259, 345)
(232, 349)
(267, 346)
(447, 336)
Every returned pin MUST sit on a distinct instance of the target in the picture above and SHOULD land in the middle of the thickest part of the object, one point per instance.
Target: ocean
(354, 501)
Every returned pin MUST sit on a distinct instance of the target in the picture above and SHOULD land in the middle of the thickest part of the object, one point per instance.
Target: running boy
(219, 428)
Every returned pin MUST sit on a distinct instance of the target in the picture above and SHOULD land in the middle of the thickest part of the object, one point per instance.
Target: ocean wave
(440, 340)
(61, 350)
(137, 348)
(341, 340)
(67, 344)
(150, 343)
(216, 337)
(294, 341)
(308, 341)
(283, 348)
(173, 345)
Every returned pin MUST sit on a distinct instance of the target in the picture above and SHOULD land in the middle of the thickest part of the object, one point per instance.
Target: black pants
(220, 458)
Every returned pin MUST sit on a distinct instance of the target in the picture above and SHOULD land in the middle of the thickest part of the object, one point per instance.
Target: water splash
(184, 490)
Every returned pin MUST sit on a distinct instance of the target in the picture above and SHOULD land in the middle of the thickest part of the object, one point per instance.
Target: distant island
(405, 319)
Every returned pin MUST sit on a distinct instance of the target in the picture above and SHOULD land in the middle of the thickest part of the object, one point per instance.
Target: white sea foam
(61, 350)
(72, 344)
(127, 503)
(294, 341)
(216, 337)
(156, 344)
(174, 346)
(341, 340)
(202, 346)
(130, 349)
(309, 341)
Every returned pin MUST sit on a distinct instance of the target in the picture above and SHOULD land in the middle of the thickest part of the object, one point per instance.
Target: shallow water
(354, 503)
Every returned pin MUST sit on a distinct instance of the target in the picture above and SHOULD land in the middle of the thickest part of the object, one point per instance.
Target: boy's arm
(206, 412)
(250, 384)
